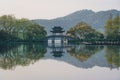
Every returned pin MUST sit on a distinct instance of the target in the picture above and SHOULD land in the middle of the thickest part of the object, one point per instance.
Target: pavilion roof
(57, 29)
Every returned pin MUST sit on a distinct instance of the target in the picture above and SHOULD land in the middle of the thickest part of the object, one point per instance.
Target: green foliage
(113, 55)
(83, 31)
(7, 22)
(21, 29)
(35, 32)
(112, 28)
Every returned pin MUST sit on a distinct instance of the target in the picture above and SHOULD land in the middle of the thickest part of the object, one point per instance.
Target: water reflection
(83, 52)
(113, 55)
(56, 50)
(96, 55)
(20, 54)
(82, 56)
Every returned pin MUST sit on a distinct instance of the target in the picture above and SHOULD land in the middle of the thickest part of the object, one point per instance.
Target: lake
(55, 62)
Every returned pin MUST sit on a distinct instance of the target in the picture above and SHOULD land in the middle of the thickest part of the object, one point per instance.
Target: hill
(95, 19)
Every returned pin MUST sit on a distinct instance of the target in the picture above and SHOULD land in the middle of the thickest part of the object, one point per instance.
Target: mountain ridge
(95, 19)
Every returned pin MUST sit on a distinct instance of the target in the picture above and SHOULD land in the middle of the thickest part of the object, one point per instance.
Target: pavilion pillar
(62, 41)
(53, 39)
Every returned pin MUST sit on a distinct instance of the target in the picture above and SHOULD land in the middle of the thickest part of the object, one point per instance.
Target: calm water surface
(76, 62)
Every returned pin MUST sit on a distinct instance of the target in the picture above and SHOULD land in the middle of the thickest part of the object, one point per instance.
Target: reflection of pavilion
(57, 51)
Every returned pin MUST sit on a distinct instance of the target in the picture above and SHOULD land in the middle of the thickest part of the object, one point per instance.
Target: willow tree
(7, 23)
(112, 28)
(35, 32)
(27, 30)
(20, 29)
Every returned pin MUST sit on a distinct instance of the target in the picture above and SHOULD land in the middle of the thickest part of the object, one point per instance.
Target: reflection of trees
(113, 55)
(4, 47)
(83, 52)
(22, 55)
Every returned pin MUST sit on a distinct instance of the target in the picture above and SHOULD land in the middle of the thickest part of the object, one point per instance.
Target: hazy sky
(48, 9)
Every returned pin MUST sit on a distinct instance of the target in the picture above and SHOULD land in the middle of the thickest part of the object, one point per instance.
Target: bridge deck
(60, 36)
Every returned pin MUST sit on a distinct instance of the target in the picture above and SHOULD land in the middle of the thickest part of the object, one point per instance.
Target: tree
(83, 31)
(7, 22)
(7, 25)
(22, 29)
(35, 32)
(112, 28)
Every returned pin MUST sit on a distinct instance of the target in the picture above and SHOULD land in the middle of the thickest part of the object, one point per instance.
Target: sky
(49, 9)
